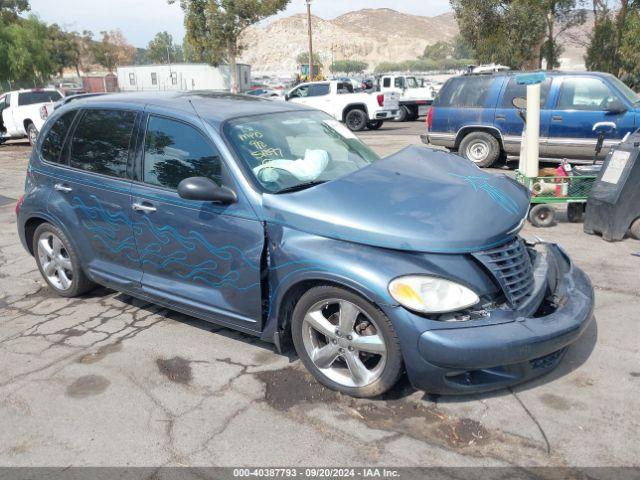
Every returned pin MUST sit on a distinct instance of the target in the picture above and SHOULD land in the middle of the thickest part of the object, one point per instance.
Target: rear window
(54, 141)
(470, 92)
(513, 90)
(42, 96)
(101, 141)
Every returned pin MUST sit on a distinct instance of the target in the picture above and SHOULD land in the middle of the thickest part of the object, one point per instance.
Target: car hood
(418, 200)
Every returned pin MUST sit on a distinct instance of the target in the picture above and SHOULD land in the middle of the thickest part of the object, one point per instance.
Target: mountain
(371, 35)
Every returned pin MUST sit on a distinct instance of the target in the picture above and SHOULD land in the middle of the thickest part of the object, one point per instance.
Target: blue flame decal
(481, 183)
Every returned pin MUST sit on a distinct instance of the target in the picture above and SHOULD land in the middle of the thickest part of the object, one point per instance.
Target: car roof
(213, 107)
(549, 73)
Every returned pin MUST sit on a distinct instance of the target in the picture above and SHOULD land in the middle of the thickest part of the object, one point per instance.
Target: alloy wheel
(344, 343)
(55, 262)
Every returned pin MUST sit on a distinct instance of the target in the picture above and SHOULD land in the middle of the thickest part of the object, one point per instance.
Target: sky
(140, 20)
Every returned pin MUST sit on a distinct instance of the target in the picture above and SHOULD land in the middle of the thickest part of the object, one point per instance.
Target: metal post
(311, 72)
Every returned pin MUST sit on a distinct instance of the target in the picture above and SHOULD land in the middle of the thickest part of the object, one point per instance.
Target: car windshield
(295, 150)
(626, 91)
(412, 82)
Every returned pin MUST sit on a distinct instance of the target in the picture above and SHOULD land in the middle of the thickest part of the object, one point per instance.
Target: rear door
(204, 257)
(581, 103)
(91, 194)
(507, 119)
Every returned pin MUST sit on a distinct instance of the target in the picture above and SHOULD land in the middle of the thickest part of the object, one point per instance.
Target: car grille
(510, 264)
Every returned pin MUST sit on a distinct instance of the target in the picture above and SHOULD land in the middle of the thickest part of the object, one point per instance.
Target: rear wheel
(403, 114)
(32, 134)
(542, 216)
(375, 125)
(347, 343)
(481, 148)
(635, 229)
(356, 120)
(58, 263)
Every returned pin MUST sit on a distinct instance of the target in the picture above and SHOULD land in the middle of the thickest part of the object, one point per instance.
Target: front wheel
(32, 134)
(542, 216)
(347, 343)
(356, 120)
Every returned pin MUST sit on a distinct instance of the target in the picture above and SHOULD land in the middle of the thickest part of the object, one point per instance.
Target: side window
(42, 96)
(132, 78)
(54, 141)
(585, 94)
(469, 91)
(154, 78)
(300, 92)
(398, 82)
(319, 89)
(513, 90)
(101, 141)
(174, 78)
(174, 151)
(386, 82)
(344, 87)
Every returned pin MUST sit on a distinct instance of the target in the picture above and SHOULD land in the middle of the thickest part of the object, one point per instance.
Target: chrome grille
(510, 264)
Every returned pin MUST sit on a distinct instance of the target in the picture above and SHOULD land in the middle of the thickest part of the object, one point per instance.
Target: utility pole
(311, 72)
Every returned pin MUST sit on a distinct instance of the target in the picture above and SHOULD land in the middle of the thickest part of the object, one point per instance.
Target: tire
(413, 114)
(575, 212)
(375, 125)
(634, 230)
(348, 369)
(481, 148)
(356, 120)
(542, 216)
(64, 258)
(32, 134)
(403, 114)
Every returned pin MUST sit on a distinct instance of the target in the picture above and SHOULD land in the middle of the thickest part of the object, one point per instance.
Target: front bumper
(485, 356)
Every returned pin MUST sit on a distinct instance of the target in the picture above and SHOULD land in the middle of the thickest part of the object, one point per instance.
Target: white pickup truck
(357, 110)
(414, 99)
(23, 112)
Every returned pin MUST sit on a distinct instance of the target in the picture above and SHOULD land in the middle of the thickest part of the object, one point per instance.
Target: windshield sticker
(339, 128)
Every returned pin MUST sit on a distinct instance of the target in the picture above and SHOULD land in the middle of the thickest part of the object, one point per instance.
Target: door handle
(140, 207)
(500, 117)
(556, 118)
(62, 188)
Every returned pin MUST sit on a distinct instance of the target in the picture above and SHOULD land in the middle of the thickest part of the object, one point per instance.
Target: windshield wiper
(301, 186)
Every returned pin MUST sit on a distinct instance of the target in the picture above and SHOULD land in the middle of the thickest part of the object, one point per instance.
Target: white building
(181, 76)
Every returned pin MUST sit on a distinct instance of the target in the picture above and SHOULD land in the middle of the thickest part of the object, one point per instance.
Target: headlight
(431, 295)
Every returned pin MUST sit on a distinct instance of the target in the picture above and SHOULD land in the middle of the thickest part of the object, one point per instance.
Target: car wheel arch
(464, 131)
(354, 106)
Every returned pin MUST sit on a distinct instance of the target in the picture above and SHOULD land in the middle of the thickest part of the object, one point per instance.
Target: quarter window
(174, 151)
(468, 91)
(53, 142)
(585, 94)
(101, 141)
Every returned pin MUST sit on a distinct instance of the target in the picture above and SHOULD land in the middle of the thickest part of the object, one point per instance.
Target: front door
(581, 103)
(202, 256)
(91, 192)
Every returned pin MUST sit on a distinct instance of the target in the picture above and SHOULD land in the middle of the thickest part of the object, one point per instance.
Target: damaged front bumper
(512, 346)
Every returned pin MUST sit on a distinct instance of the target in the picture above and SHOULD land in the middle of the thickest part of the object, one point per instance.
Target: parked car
(475, 116)
(357, 110)
(23, 112)
(274, 219)
(414, 98)
(264, 93)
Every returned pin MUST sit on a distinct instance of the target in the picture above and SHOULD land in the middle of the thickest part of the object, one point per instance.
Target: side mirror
(287, 97)
(205, 190)
(520, 103)
(616, 107)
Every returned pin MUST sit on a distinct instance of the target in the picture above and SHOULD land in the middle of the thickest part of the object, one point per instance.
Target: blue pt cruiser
(275, 220)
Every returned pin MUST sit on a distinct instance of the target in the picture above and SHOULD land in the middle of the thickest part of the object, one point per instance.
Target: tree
(348, 66)
(303, 59)
(510, 32)
(438, 51)
(10, 9)
(162, 50)
(63, 49)
(113, 50)
(561, 15)
(462, 49)
(214, 27)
